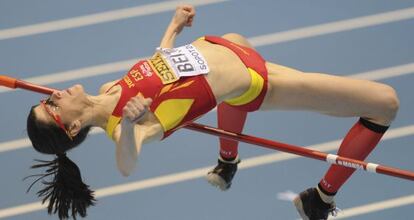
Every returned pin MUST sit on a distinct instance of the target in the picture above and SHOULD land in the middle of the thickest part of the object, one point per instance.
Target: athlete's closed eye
(51, 104)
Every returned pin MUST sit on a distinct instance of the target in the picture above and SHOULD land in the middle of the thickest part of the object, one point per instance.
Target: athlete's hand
(184, 16)
(135, 109)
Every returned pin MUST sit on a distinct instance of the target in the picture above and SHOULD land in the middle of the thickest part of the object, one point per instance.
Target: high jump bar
(14, 83)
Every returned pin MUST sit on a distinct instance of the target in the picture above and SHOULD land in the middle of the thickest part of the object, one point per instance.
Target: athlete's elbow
(124, 173)
(126, 166)
(126, 169)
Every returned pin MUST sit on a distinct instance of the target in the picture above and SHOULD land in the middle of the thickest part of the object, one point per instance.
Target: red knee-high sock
(230, 119)
(357, 144)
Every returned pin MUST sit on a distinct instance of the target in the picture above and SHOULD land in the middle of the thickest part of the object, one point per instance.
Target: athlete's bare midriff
(228, 76)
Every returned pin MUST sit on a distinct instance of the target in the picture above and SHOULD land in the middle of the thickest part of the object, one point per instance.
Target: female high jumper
(177, 86)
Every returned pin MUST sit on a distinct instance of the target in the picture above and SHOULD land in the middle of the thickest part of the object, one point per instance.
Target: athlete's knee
(389, 102)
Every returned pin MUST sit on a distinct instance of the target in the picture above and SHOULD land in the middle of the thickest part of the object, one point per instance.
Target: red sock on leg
(230, 119)
(357, 144)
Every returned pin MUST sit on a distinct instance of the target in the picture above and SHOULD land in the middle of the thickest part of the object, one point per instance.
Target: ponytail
(66, 190)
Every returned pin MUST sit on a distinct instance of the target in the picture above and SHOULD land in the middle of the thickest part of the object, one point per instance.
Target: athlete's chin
(76, 90)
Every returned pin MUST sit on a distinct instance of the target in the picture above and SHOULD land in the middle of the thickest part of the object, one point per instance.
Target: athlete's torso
(226, 77)
(225, 67)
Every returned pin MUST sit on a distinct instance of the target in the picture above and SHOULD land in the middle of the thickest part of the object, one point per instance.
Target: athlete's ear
(74, 128)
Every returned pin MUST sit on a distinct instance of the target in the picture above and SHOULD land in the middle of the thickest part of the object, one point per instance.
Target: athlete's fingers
(186, 8)
(189, 22)
(134, 110)
(136, 101)
(136, 114)
(147, 102)
(189, 13)
(135, 105)
(184, 15)
(127, 113)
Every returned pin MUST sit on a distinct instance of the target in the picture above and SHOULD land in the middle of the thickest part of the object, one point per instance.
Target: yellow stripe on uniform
(113, 121)
(171, 112)
(254, 90)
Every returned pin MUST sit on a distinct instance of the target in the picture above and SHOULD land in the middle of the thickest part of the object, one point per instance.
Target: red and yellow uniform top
(174, 80)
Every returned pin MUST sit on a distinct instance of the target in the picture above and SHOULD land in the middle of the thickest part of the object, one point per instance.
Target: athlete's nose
(57, 94)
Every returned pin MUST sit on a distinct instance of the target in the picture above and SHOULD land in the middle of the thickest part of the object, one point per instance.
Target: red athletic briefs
(252, 99)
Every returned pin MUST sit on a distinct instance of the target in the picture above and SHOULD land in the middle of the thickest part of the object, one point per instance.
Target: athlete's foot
(222, 175)
(311, 207)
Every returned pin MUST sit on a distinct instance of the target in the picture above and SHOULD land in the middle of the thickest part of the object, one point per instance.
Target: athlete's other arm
(132, 133)
(104, 88)
(184, 15)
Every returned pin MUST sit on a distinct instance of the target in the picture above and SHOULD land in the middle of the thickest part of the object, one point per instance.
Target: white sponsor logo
(146, 69)
(350, 164)
(197, 56)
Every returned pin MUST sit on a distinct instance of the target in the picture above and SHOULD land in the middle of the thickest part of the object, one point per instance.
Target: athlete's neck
(98, 109)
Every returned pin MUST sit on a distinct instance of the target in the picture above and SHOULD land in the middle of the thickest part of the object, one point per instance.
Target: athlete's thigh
(290, 89)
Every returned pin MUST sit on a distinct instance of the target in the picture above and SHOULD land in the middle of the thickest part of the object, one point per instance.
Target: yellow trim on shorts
(113, 121)
(256, 86)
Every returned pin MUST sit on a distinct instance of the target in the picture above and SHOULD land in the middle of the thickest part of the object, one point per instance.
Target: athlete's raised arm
(183, 17)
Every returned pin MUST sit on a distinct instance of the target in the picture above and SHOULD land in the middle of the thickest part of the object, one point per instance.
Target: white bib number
(185, 60)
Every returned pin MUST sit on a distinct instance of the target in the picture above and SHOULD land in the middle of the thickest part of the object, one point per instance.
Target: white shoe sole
(217, 181)
(299, 207)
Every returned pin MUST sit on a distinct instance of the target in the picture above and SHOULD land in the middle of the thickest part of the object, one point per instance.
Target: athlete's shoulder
(106, 86)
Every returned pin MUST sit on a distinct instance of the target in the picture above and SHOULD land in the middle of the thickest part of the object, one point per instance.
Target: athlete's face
(62, 107)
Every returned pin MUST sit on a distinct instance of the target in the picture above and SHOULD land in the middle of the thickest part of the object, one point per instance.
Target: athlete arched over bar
(178, 85)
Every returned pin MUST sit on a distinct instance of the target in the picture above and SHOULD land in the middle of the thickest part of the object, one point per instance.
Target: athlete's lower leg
(230, 119)
(362, 138)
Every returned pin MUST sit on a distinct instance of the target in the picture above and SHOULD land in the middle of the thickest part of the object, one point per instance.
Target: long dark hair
(65, 190)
